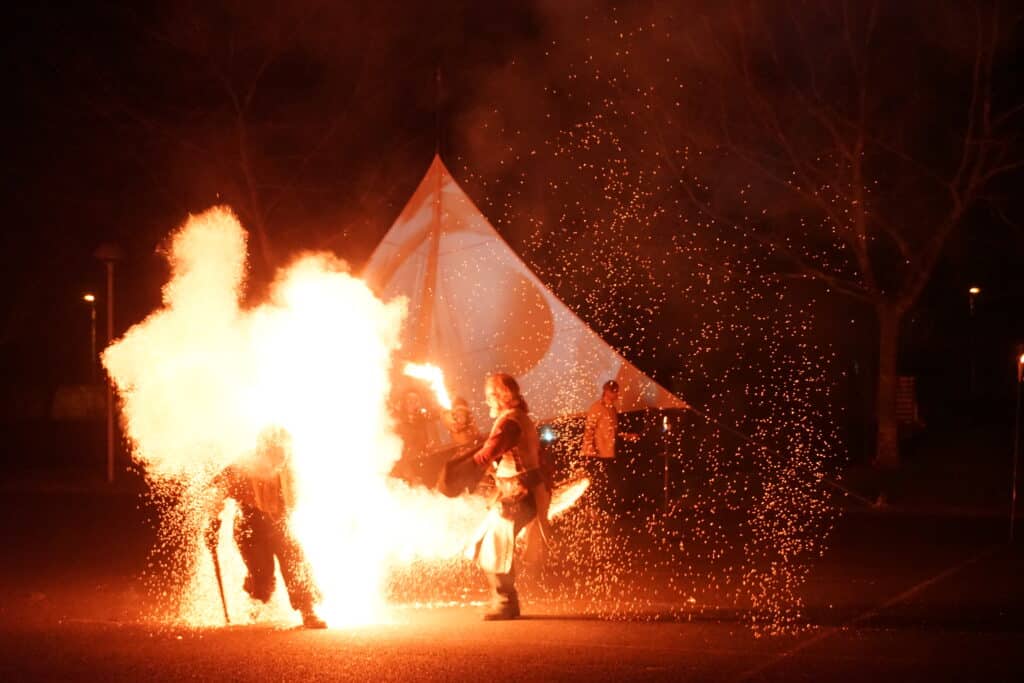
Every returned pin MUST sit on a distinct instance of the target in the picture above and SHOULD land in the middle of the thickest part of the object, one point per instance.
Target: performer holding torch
(513, 451)
(454, 414)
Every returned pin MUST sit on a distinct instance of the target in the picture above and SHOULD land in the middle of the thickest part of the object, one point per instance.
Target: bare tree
(848, 139)
(859, 135)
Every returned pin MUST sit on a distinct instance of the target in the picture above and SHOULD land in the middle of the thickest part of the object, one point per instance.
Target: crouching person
(262, 486)
(512, 451)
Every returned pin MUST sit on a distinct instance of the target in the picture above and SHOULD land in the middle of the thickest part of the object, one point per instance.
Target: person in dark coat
(263, 488)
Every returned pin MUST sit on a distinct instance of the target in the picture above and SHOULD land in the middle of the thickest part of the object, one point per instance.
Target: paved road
(897, 597)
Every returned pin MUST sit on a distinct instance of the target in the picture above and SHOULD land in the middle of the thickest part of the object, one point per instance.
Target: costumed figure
(413, 425)
(460, 424)
(465, 440)
(523, 492)
(263, 488)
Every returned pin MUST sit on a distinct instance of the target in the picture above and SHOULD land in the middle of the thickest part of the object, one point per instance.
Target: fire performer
(523, 494)
(460, 423)
(413, 426)
(262, 486)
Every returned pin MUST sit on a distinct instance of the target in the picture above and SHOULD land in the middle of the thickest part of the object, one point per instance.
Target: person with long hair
(512, 452)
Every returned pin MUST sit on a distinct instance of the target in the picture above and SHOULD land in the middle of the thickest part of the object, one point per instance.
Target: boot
(504, 611)
(311, 621)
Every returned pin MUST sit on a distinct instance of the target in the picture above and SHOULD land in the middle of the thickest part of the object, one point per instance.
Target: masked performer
(413, 424)
(460, 424)
(512, 450)
(263, 488)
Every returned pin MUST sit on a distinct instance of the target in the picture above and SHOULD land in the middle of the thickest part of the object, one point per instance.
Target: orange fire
(203, 376)
(434, 377)
(565, 496)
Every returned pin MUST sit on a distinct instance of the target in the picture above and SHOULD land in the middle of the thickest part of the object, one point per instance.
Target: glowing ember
(433, 376)
(202, 377)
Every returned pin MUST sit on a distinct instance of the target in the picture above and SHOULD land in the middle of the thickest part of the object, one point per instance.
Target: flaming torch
(432, 375)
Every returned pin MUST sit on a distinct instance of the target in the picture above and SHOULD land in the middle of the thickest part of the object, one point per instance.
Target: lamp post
(1016, 440)
(109, 254)
(91, 300)
(972, 295)
(666, 427)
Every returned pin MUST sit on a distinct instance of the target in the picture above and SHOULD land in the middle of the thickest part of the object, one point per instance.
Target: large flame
(433, 376)
(202, 377)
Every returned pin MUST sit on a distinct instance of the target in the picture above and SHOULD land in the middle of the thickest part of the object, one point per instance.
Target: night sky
(120, 126)
(121, 121)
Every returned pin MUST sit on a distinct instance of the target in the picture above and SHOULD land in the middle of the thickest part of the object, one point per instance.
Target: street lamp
(1016, 440)
(109, 254)
(972, 295)
(91, 300)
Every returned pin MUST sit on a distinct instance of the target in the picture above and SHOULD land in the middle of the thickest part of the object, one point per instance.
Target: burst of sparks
(623, 227)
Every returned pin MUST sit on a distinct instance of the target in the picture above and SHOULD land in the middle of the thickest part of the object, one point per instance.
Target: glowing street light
(91, 300)
(972, 295)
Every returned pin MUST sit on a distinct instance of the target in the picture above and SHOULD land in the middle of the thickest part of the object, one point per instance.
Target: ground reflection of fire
(202, 377)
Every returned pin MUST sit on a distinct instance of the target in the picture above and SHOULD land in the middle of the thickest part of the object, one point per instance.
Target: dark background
(120, 122)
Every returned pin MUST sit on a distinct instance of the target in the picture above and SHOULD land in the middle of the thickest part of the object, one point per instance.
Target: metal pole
(110, 387)
(970, 348)
(92, 341)
(664, 452)
(211, 544)
(1016, 446)
(437, 111)
(972, 378)
(665, 504)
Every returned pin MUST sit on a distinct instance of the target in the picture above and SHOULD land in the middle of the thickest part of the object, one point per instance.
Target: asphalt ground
(898, 596)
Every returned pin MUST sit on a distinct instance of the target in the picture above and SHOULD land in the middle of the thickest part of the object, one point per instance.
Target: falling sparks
(731, 511)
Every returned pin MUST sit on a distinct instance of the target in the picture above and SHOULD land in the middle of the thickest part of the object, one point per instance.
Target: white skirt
(494, 543)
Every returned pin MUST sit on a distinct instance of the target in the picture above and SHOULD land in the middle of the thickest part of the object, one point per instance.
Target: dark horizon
(102, 151)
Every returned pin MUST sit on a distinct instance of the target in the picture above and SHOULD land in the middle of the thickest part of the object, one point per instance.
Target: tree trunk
(887, 447)
(257, 214)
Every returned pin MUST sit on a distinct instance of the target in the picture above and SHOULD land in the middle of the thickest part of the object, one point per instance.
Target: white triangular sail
(475, 308)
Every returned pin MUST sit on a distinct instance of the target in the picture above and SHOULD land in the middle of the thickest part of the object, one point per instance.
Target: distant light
(1020, 361)
(548, 434)
(974, 290)
(89, 297)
